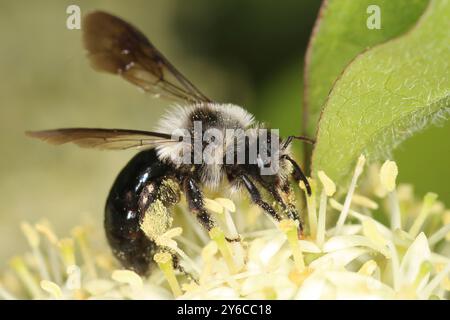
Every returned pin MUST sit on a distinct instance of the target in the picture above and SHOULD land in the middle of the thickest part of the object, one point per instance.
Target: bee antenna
(302, 138)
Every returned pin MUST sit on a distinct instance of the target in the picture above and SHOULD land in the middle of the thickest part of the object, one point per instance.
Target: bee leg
(257, 199)
(288, 206)
(197, 206)
(194, 197)
(180, 268)
(298, 173)
(237, 239)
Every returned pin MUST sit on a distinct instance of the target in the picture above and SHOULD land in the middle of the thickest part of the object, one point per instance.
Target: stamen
(433, 284)
(33, 239)
(290, 228)
(129, 277)
(351, 190)
(66, 249)
(80, 236)
(428, 201)
(226, 203)
(311, 205)
(358, 215)
(395, 265)
(328, 190)
(31, 234)
(388, 175)
(368, 268)
(218, 236)
(208, 254)
(73, 281)
(328, 185)
(396, 215)
(425, 268)
(164, 261)
(165, 240)
(51, 244)
(298, 277)
(5, 294)
(445, 221)
(19, 266)
(370, 231)
(364, 202)
(439, 235)
(52, 288)
(213, 205)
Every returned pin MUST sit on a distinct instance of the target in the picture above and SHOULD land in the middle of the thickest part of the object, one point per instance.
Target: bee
(153, 181)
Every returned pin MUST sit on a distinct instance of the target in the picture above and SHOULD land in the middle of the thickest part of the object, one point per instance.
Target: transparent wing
(112, 139)
(117, 47)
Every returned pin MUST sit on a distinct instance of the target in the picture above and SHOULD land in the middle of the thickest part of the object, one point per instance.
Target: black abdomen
(122, 214)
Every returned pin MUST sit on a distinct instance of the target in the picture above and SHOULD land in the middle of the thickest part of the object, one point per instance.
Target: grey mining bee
(153, 178)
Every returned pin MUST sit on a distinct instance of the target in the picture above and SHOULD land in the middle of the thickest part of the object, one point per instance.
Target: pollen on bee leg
(157, 220)
(165, 263)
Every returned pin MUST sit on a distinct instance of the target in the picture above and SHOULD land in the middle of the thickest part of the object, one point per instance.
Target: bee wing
(111, 139)
(116, 47)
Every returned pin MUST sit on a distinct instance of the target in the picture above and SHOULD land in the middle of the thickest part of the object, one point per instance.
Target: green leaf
(340, 34)
(386, 94)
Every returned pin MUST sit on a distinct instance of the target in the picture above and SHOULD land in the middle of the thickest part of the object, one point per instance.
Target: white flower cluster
(356, 257)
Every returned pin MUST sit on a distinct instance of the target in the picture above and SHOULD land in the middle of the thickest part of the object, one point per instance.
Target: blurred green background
(245, 52)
